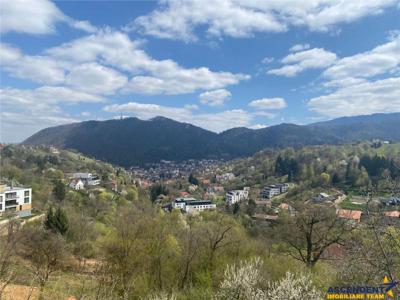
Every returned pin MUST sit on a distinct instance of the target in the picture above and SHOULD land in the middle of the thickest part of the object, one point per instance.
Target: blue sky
(218, 65)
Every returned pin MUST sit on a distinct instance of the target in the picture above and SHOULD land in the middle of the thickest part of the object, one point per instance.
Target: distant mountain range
(132, 141)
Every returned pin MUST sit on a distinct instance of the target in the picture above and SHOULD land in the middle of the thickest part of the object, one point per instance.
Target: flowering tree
(242, 281)
(293, 288)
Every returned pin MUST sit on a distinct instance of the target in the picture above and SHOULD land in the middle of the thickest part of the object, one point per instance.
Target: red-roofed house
(392, 214)
(353, 215)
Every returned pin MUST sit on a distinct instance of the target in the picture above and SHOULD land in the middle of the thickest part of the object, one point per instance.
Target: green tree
(56, 221)
(193, 180)
(59, 190)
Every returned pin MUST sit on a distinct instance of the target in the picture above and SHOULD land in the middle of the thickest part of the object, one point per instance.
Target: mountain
(133, 141)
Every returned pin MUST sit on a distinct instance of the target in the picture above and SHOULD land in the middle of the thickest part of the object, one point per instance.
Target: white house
(189, 205)
(87, 178)
(15, 199)
(237, 196)
(77, 184)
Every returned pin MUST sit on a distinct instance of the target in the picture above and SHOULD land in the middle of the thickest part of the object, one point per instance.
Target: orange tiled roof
(350, 214)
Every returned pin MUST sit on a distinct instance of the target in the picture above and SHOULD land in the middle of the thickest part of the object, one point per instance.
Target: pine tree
(56, 221)
(59, 190)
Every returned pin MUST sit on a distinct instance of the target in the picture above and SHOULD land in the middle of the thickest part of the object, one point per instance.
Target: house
(351, 215)
(190, 205)
(87, 178)
(237, 196)
(77, 184)
(15, 199)
(322, 197)
(392, 214)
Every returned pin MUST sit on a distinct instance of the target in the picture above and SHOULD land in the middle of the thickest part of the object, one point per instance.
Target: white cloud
(17, 126)
(215, 98)
(95, 78)
(151, 76)
(85, 63)
(179, 19)
(299, 47)
(40, 69)
(360, 98)
(383, 58)
(257, 126)
(44, 98)
(35, 17)
(294, 63)
(268, 103)
(216, 122)
(267, 60)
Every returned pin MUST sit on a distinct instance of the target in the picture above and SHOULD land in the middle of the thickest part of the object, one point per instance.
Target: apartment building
(15, 199)
(190, 205)
(235, 196)
(274, 190)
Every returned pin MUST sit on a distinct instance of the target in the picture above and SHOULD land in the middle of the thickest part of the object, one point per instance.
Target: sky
(215, 64)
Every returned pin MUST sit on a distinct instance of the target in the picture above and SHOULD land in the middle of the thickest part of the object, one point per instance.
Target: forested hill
(133, 141)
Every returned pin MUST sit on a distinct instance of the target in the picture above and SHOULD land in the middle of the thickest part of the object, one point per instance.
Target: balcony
(11, 203)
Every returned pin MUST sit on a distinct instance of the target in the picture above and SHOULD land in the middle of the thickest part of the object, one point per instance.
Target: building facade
(190, 205)
(274, 190)
(235, 196)
(87, 178)
(15, 200)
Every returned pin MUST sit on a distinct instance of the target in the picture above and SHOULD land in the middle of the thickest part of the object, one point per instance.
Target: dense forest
(107, 243)
(132, 141)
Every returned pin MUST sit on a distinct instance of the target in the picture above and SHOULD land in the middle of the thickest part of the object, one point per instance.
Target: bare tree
(311, 231)
(45, 251)
(8, 248)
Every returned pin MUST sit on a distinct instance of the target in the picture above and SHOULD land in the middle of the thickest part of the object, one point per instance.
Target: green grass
(347, 204)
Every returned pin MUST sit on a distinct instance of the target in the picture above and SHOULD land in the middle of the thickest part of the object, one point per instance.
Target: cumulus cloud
(215, 98)
(360, 98)
(179, 19)
(268, 103)
(95, 78)
(151, 76)
(215, 122)
(95, 64)
(35, 17)
(43, 97)
(37, 68)
(295, 63)
(383, 58)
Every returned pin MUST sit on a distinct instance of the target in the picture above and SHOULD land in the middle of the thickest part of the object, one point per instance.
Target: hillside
(133, 141)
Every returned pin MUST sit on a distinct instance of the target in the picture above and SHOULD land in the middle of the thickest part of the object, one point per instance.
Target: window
(1, 199)
(26, 194)
(1, 206)
(26, 200)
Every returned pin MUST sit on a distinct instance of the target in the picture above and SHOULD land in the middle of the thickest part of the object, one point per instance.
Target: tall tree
(59, 190)
(311, 231)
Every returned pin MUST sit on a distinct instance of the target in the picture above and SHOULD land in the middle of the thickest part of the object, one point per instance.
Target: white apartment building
(15, 199)
(235, 196)
(190, 205)
(274, 190)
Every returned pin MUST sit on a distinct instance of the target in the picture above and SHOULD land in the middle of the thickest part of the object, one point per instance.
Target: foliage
(56, 221)
(59, 190)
